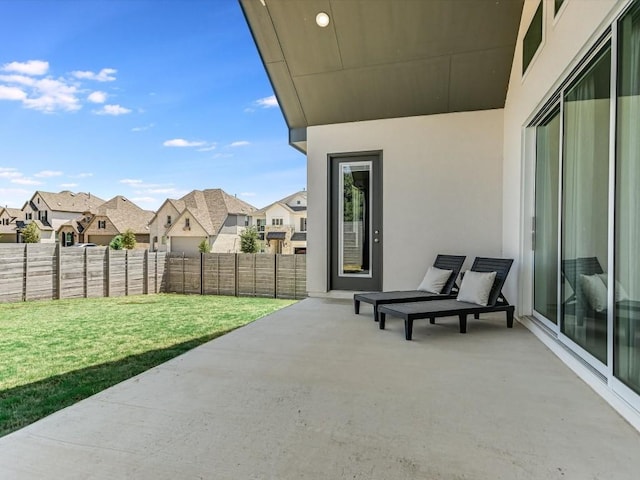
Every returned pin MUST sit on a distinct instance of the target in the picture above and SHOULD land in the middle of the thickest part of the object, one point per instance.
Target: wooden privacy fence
(47, 272)
(238, 274)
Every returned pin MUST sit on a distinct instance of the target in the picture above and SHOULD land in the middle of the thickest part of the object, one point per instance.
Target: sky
(146, 99)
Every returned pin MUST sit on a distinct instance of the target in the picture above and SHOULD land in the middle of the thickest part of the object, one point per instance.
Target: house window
(68, 239)
(168, 219)
(102, 224)
(532, 39)
(260, 223)
(28, 216)
(303, 224)
(187, 222)
(277, 222)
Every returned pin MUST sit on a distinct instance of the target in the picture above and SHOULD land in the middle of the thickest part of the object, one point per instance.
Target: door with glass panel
(545, 221)
(626, 340)
(356, 223)
(585, 207)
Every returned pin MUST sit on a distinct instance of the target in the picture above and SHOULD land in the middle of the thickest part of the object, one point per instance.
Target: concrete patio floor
(316, 392)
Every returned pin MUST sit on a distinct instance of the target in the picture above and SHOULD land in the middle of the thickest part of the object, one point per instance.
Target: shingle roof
(13, 212)
(285, 203)
(67, 201)
(125, 214)
(211, 207)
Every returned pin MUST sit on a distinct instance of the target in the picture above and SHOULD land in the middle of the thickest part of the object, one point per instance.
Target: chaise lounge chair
(442, 262)
(485, 297)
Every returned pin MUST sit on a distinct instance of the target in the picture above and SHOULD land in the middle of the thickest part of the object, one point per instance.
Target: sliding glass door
(626, 345)
(545, 264)
(585, 204)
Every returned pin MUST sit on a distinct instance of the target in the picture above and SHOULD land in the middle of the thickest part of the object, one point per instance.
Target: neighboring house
(115, 217)
(212, 215)
(448, 127)
(49, 211)
(283, 224)
(8, 225)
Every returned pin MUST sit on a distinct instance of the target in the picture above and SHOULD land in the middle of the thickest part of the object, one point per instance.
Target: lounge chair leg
(381, 318)
(356, 306)
(375, 313)
(463, 323)
(510, 318)
(432, 321)
(408, 329)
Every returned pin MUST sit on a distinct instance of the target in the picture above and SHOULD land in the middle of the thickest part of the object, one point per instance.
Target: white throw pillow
(434, 280)
(595, 290)
(621, 293)
(476, 287)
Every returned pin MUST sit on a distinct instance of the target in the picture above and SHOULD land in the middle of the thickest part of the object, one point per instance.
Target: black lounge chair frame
(444, 262)
(449, 308)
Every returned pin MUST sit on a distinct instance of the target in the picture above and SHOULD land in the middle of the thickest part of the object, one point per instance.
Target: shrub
(117, 243)
(129, 239)
(249, 240)
(31, 234)
(204, 246)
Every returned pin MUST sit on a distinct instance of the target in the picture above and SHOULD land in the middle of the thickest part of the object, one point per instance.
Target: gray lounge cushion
(476, 287)
(434, 280)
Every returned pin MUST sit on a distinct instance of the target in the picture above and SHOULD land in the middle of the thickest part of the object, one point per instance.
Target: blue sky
(146, 99)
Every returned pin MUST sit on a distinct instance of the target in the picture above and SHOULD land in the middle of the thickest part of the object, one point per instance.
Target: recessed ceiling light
(322, 19)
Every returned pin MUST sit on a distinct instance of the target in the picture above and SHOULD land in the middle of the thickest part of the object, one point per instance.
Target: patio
(314, 391)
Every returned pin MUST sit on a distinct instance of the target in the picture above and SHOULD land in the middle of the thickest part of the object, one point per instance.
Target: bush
(249, 240)
(31, 234)
(117, 243)
(204, 246)
(129, 239)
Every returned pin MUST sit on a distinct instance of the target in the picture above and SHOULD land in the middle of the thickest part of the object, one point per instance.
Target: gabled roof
(211, 207)
(67, 201)
(13, 212)
(285, 204)
(383, 58)
(124, 214)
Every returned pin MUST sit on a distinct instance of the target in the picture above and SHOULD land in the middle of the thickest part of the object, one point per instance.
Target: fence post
(25, 273)
(218, 274)
(295, 276)
(145, 272)
(275, 275)
(201, 273)
(85, 274)
(235, 274)
(126, 272)
(107, 272)
(58, 254)
(184, 276)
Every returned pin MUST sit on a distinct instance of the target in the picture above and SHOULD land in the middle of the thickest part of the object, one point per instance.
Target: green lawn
(53, 354)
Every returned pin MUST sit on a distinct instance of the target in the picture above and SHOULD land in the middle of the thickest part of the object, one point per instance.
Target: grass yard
(53, 354)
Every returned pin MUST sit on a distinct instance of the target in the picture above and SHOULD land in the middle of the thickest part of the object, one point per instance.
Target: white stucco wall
(566, 39)
(442, 190)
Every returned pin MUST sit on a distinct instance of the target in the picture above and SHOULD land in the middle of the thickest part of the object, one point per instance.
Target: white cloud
(181, 142)
(12, 93)
(104, 75)
(48, 173)
(97, 97)
(143, 128)
(240, 143)
(114, 110)
(32, 67)
(208, 149)
(267, 102)
(131, 181)
(25, 181)
(9, 173)
(68, 185)
(81, 175)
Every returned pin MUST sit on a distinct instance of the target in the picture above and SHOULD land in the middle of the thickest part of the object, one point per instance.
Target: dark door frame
(375, 282)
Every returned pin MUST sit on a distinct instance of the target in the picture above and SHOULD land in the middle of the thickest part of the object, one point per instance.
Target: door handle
(375, 240)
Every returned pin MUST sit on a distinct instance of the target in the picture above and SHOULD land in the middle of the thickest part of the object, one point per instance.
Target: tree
(31, 234)
(117, 243)
(204, 246)
(129, 239)
(249, 240)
